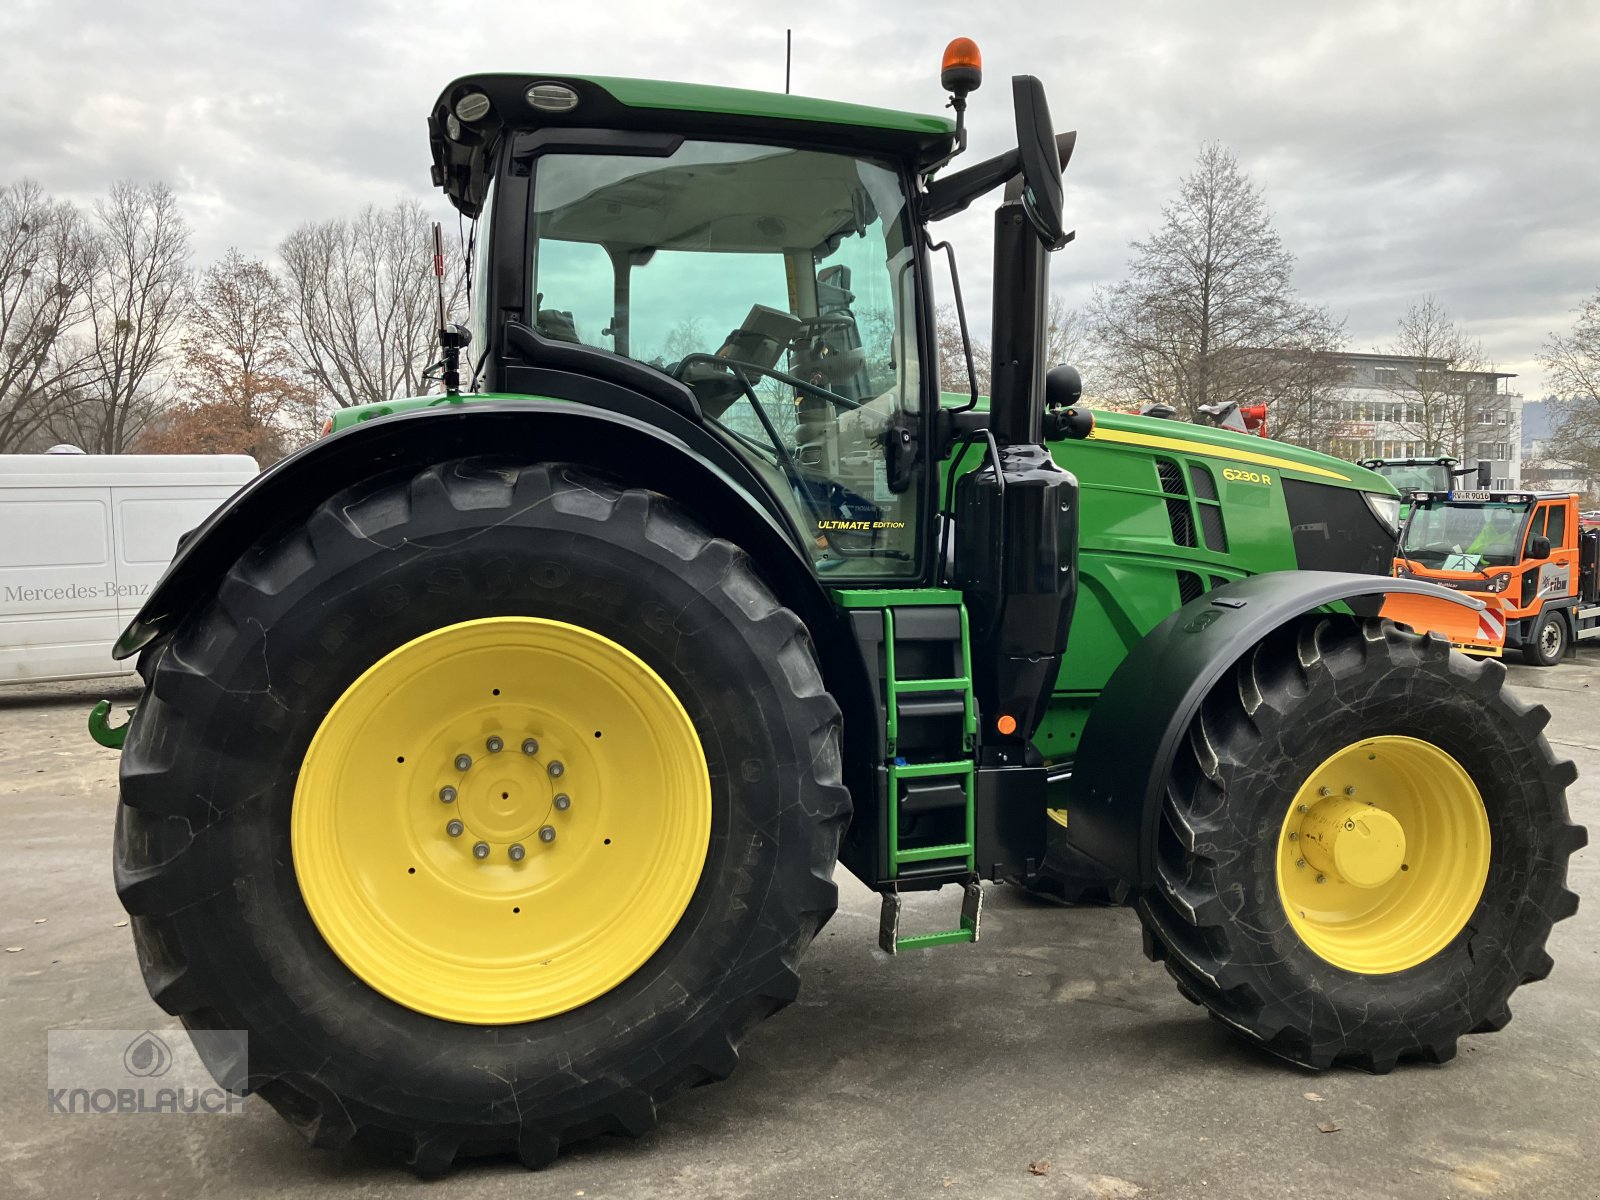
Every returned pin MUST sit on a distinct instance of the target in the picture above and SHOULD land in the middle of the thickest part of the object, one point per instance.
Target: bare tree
(242, 390)
(364, 301)
(1440, 380)
(136, 300)
(952, 355)
(47, 258)
(1208, 312)
(1572, 363)
(1065, 334)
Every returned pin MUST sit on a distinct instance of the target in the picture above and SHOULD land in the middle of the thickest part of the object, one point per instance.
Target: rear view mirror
(1042, 196)
(1538, 547)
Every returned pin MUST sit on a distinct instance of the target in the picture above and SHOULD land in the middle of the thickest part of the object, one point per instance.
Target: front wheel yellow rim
(1383, 855)
(501, 820)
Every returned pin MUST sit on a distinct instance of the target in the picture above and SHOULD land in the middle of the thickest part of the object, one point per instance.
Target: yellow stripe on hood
(1159, 442)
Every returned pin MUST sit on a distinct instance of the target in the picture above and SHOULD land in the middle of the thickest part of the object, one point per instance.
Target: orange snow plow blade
(1472, 631)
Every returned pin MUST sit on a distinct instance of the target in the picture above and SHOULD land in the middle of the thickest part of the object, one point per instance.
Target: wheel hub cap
(1354, 841)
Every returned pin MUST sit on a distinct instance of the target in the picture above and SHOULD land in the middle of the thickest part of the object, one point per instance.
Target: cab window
(778, 285)
(1556, 526)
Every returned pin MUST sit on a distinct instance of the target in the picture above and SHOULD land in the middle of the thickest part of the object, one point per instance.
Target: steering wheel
(818, 324)
(738, 368)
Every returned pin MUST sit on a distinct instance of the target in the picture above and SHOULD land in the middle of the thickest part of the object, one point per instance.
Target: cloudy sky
(1405, 148)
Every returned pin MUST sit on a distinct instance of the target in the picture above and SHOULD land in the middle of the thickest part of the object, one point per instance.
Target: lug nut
(530, 746)
(1350, 791)
(495, 745)
(1300, 862)
(1322, 879)
(480, 850)
(1303, 808)
(557, 770)
(1321, 792)
(463, 762)
(447, 794)
(516, 851)
(547, 833)
(563, 802)
(454, 829)
(1294, 835)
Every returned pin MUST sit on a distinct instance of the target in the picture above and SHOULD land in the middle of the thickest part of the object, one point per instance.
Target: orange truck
(1526, 555)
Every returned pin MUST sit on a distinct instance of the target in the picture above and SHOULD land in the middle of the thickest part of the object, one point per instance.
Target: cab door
(1558, 574)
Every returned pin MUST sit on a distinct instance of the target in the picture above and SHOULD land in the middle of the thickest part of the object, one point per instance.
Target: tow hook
(102, 730)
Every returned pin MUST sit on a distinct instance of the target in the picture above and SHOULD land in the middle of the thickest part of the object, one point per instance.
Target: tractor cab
(753, 262)
(777, 286)
(1467, 536)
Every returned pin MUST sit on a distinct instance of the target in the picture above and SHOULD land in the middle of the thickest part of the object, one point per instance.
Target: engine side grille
(1179, 516)
(1211, 523)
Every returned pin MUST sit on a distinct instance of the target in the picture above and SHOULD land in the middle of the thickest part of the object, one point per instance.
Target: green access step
(890, 941)
(925, 633)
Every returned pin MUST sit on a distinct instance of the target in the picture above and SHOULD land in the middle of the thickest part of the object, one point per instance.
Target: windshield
(777, 284)
(1428, 477)
(1466, 537)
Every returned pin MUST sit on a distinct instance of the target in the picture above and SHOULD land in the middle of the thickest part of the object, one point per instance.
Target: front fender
(1113, 798)
(672, 456)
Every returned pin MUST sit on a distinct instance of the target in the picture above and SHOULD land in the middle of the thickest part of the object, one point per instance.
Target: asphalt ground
(1049, 1060)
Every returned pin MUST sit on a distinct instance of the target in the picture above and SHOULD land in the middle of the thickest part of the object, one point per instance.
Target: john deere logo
(147, 1056)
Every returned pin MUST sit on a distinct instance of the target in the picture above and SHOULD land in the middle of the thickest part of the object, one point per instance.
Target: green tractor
(1437, 474)
(497, 750)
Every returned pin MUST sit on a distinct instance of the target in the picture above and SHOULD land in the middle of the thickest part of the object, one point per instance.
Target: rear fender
(1113, 798)
(687, 464)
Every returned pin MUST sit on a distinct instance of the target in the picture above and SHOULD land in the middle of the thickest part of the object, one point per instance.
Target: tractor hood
(470, 116)
(1243, 448)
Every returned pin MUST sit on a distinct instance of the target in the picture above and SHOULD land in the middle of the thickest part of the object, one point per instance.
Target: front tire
(1436, 909)
(1546, 643)
(236, 796)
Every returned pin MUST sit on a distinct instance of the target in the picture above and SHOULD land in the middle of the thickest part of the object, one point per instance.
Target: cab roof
(463, 149)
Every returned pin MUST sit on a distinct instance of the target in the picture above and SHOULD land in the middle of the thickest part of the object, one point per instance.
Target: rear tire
(205, 864)
(1219, 923)
(1546, 643)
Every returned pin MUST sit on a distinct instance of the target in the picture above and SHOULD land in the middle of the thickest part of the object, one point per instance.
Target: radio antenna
(788, 57)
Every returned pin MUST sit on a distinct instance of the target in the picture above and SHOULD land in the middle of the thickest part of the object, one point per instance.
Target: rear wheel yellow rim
(501, 820)
(1383, 855)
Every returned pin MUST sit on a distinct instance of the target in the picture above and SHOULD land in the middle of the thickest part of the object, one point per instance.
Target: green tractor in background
(498, 749)
(1437, 474)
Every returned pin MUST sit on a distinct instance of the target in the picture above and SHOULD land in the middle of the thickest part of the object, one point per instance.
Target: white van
(83, 539)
